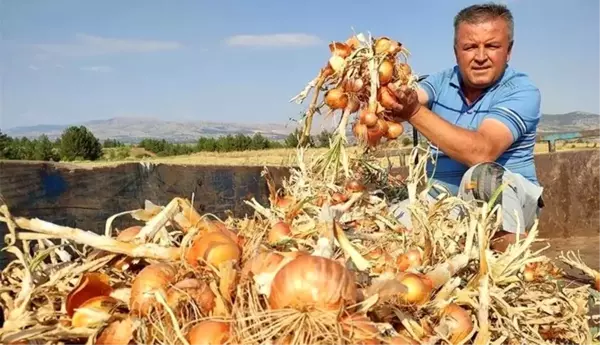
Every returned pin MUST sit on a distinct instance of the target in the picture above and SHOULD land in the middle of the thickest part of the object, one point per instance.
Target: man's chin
(481, 82)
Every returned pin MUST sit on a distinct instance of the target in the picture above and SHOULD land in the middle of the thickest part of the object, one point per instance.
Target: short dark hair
(480, 13)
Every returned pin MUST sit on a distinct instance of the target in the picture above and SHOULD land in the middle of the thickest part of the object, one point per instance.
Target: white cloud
(34, 67)
(87, 45)
(99, 69)
(273, 40)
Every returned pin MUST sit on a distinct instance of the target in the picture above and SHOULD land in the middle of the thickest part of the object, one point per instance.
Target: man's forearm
(463, 145)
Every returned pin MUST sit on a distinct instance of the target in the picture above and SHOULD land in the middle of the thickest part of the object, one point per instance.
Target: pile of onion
(280, 231)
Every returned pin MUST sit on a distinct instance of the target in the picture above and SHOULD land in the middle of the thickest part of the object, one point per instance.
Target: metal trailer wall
(85, 197)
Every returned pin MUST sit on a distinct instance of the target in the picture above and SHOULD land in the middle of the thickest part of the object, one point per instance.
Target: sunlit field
(283, 157)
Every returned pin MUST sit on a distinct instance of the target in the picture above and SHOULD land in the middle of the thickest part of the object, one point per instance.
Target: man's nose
(481, 55)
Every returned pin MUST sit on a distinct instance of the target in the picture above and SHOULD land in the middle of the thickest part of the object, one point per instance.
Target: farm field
(273, 157)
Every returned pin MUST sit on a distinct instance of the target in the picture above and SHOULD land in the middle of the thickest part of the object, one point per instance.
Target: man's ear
(510, 47)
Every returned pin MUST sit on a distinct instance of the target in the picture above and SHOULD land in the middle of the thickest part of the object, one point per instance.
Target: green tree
(44, 149)
(79, 143)
(323, 138)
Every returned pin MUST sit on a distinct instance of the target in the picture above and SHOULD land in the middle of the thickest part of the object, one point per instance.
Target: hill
(131, 130)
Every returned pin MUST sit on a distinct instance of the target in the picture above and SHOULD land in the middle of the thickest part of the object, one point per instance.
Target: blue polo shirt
(513, 100)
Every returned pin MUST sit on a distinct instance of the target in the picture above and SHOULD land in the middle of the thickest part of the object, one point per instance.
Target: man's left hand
(406, 103)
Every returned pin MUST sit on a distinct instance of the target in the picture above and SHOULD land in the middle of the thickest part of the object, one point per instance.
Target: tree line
(79, 143)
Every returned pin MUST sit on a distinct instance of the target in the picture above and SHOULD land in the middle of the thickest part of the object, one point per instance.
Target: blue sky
(73, 61)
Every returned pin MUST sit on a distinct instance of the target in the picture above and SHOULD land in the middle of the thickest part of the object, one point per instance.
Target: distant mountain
(573, 121)
(131, 130)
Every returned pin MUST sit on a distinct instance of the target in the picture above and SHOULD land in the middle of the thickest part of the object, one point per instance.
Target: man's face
(482, 52)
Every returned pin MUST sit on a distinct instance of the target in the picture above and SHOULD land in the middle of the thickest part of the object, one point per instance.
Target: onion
(368, 118)
(460, 324)
(93, 312)
(340, 49)
(123, 262)
(360, 131)
(91, 284)
(353, 42)
(386, 97)
(117, 333)
(213, 248)
(312, 282)
(374, 135)
(384, 45)
(284, 202)
(381, 259)
(401, 339)
(209, 332)
(265, 265)
(418, 289)
(338, 198)
(394, 131)
(336, 98)
(352, 85)
(529, 274)
(192, 288)
(383, 126)
(280, 231)
(411, 259)
(355, 186)
(386, 72)
(360, 329)
(154, 278)
(337, 63)
(404, 70)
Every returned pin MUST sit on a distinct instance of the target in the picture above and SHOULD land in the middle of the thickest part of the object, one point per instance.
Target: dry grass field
(278, 157)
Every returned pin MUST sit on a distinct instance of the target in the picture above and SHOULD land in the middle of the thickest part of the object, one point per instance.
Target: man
(480, 118)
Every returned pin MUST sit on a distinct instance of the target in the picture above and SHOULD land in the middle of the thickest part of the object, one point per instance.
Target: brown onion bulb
(386, 97)
(374, 135)
(355, 186)
(336, 98)
(90, 285)
(353, 85)
(340, 49)
(338, 198)
(353, 42)
(386, 72)
(280, 231)
(411, 259)
(312, 282)
(360, 131)
(209, 332)
(404, 70)
(154, 278)
(462, 324)
(394, 131)
(117, 333)
(418, 292)
(337, 63)
(192, 288)
(93, 312)
(360, 329)
(384, 45)
(213, 248)
(123, 262)
(368, 118)
(383, 126)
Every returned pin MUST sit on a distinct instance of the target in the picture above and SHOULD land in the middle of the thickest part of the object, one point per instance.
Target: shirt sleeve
(518, 109)
(432, 84)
